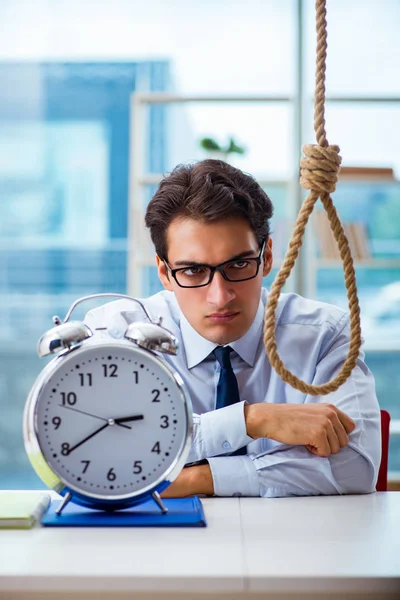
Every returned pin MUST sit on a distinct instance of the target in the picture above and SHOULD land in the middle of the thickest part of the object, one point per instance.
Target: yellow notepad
(21, 509)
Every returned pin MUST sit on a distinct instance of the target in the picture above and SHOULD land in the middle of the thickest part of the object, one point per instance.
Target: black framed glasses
(198, 275)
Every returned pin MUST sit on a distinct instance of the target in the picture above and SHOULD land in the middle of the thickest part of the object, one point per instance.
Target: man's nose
(220, 292)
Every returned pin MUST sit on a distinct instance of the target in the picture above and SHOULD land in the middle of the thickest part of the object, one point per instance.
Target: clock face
(111, 420)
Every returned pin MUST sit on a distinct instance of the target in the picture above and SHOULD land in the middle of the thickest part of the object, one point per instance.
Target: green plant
(211, 145)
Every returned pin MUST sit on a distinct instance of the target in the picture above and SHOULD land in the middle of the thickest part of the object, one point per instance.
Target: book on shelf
(356, 233)
(20, 509)
(360, 249)
(367, 173)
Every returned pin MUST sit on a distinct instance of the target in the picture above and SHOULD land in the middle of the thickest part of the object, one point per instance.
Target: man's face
(222, 311)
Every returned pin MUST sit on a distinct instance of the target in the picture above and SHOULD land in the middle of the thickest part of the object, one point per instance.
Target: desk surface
(340, 544)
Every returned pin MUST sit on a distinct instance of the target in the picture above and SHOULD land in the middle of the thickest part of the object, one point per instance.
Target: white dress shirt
(313, 342)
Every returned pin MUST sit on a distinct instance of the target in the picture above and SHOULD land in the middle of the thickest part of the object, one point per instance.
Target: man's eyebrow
(193, 263)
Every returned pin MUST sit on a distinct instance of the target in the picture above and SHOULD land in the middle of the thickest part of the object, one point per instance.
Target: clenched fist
(321, 427)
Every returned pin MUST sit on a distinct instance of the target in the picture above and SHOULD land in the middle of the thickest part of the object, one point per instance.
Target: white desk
(347, 546)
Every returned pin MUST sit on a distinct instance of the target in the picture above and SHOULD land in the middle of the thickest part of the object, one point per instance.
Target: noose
(319, 174)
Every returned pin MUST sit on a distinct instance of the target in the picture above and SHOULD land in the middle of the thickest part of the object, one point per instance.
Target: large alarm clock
(107, 423)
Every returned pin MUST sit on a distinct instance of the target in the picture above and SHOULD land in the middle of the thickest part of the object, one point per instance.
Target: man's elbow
(357, 476)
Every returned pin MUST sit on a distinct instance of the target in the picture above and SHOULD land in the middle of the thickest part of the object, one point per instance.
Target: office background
(67, 75)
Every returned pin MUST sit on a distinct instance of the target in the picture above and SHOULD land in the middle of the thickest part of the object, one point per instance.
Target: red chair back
(381, 484)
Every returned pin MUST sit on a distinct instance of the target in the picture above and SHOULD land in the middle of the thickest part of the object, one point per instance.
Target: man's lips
(221, 317)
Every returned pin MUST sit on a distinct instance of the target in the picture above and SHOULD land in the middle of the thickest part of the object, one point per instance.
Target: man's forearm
(321, 427)
(191, 481)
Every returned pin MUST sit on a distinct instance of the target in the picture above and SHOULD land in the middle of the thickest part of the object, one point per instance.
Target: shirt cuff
(224, 430)
(234, 476)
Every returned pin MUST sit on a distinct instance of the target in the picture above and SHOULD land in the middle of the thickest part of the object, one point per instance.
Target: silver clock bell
(68, 334)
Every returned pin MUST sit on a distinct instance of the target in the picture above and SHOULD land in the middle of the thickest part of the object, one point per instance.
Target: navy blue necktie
(227, 389)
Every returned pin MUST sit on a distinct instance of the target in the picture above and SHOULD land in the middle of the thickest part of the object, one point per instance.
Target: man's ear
(268, 258)
(163, 274)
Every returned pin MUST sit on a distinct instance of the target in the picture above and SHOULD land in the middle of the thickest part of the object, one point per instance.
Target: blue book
(182, 512)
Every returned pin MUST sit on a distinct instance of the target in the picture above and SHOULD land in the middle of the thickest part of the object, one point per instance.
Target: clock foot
(157, 499)
(64, 503)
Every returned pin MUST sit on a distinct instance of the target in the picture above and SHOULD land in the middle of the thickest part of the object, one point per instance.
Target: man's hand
(190, 482)
(321, 427)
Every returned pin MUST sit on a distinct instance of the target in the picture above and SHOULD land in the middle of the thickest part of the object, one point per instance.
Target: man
(209, 223)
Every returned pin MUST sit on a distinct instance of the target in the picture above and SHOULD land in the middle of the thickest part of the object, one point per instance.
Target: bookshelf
(319, 250)
(322, 249)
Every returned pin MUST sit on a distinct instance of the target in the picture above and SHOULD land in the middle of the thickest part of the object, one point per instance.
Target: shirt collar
(198, 348)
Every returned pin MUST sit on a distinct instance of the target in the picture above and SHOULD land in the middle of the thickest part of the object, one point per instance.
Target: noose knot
(319, 169)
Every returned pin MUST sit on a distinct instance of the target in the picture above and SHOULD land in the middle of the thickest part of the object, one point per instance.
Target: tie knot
(222, 354)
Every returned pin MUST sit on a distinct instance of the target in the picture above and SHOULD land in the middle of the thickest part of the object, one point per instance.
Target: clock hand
(125, 419)
(91, 415)
(88, 437)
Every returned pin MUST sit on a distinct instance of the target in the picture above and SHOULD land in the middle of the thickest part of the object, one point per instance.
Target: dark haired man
(253, 434)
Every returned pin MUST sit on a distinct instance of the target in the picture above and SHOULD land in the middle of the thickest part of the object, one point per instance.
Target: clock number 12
(110, 370)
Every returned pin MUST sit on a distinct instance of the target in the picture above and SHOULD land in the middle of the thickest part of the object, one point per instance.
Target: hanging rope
(319, 174)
